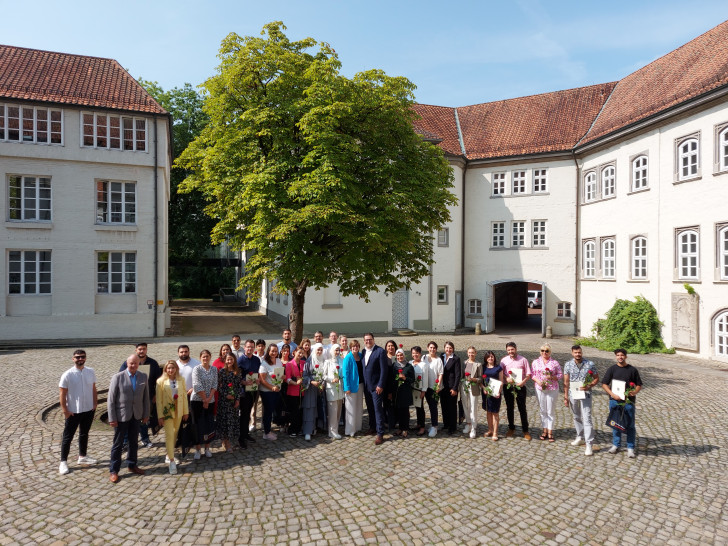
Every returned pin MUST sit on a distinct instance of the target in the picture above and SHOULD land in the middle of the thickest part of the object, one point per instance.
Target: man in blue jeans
(632, 384)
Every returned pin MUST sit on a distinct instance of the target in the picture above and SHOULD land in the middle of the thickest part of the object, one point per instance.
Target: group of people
(315, 386)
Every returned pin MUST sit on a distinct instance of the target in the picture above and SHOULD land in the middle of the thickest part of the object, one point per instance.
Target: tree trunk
(298, 297)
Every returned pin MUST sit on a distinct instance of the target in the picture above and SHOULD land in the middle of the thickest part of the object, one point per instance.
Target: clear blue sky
(457, 52)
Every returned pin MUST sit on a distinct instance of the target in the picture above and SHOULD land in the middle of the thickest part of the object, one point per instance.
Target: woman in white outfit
(334, 392)
(470, 391)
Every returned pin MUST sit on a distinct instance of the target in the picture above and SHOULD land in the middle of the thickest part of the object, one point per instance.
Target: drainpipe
(577, 246)
(461, 318)
(156, 228)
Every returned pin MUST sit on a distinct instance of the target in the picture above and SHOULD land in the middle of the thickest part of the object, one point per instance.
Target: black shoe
(242, 444)
(250, 439)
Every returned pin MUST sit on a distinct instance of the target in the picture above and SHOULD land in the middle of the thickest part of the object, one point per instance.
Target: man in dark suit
(450, 387)
(128, 404)
(375, 379)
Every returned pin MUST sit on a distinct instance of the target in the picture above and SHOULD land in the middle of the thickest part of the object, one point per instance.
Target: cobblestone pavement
(413, 491)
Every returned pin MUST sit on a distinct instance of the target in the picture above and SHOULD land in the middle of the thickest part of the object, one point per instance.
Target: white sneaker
(630, 453)
(588, 451)
(337, 436)
(251, 428)
(172, 468)
(270, 436)
(577, 442)
(466, 429)
(307, 437)
(197, 455)
(63, 468)
(167, 461)
(472, 433)
(613, 449)
(208, 453)
(86, 460)
(433, 432)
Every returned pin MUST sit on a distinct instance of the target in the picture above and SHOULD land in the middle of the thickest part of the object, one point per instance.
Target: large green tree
(320, 177)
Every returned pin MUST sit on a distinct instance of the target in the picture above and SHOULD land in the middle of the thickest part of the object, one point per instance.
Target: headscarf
(316, 359)
(333, 357)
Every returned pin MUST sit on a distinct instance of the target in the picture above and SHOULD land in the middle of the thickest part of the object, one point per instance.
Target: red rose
(337, 367)
(176, 396)
(250, 373)
(272, 376)
(419, 378)
(400, 345)
(399, 370)
(316, 366)
(548, 370)
(467, 374)
(230, 384)
(437, 380)
(590, 372)
(632, 384)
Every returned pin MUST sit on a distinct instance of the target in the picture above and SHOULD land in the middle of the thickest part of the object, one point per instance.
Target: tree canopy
(320, 177)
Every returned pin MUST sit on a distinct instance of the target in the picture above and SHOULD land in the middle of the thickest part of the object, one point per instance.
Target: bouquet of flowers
(170, 409)
(627, 393)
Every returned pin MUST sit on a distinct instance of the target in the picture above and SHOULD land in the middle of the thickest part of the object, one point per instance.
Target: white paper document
(618, 387)
(416, 400)
(279, 372)
(576, 392)
(518, 375)
(495, 386)
(254, 378)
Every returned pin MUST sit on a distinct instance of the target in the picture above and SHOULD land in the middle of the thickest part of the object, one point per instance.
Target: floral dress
(228, 422)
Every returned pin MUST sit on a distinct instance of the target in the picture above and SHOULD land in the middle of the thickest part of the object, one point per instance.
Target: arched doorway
(516, 306)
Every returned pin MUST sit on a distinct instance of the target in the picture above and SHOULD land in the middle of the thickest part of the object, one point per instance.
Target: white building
(598, 193)
(85, 161)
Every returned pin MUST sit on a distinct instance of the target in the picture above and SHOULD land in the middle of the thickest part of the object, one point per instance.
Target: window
(115, 202)
(688, 159)
(29, 124)
(723, 252)
(499, 234)
(443, 237)
(519, 182)
(539, 233)
(29, 198)
(29, 272)
(721, 334)
(608, 259)
(723, 150)
(608, 181)
(499, 183)
(687, 254)
(590, 187)
(114, 132)
(539, 181)
(116, 272)
(518, 234)
(442, 294)
(639, 258)
(475, 307)
(588, 260)
(639, 173)
(563, 310)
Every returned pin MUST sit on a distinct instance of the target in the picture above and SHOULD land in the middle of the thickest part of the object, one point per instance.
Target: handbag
(618, 419)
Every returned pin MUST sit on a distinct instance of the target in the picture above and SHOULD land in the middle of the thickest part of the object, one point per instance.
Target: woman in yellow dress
(172, 408)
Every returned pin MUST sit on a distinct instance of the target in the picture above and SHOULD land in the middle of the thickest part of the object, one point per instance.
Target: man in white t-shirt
(78, 402)
(186, 365)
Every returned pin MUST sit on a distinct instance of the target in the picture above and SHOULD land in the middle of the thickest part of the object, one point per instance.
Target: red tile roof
(691, 70)
(47, 76)
(438, 122)
(551, 122)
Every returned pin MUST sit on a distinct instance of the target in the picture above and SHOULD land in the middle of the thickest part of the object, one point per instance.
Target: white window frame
(563, 310)
(97, 131)
(687, 254)
(588, 270)
(443, 237)
(499, 183)
(687, 158)
(638, 258)
(590, 186)
(29, 272)
(540, 181)
(498, 234)
(104, 209)
(116, 272)
(721, 142)
(640, 172)
(33, 122)
(475, 307)
(722, 251)
(538, 233)
(518, 233)
(518, 182)
(29, 198)
(720, 333)
(608, 257)
(609, 181)
(442, 294)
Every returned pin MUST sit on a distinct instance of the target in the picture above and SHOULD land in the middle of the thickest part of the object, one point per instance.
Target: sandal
(495, 438)
(405, 434)
(543, 436)
(421, 432)
(551, 438)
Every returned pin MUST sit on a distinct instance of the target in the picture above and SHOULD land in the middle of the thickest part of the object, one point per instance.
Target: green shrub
(632, 325)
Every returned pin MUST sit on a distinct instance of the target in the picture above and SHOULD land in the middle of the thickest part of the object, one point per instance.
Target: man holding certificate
(516, 372)
(622, 382)
(580, 376)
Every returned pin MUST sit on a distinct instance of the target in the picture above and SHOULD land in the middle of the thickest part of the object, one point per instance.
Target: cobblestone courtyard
(412, 491)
